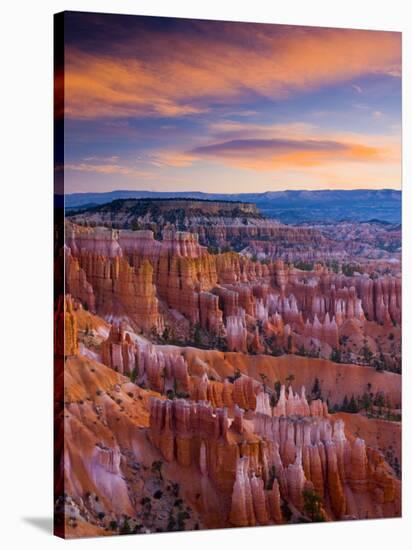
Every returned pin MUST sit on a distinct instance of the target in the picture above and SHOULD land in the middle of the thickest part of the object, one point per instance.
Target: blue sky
(185, 105)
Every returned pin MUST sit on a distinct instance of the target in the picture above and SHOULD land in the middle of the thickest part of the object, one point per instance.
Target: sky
(168, 104)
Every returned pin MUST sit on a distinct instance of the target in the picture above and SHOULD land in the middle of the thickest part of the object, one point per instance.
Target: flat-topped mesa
(224, 207)
(193, 207)
(219, 224)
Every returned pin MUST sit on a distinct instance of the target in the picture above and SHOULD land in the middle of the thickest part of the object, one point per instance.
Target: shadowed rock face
(205, 389)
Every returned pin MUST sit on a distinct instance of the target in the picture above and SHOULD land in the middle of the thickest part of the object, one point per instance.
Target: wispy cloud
(229, 129)
(107, 169)
(269, 154)
(357, 88)
(200, 71)
(183, 104)
(110, 159)
(176, 159)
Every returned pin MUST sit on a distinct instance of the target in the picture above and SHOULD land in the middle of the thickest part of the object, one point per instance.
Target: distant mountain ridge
(287, 206)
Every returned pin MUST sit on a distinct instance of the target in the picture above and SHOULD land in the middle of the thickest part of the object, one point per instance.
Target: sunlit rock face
(303, 451)
(257, 464)
(228, 299)
(101, 277)
(65, 327)
(230, 368)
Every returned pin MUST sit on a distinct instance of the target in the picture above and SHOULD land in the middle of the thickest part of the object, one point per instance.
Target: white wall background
(26, 270)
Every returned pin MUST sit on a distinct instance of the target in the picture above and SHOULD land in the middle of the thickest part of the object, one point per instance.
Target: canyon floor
(216, 368)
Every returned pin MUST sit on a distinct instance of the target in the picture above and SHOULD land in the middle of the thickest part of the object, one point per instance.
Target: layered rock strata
(304, 453)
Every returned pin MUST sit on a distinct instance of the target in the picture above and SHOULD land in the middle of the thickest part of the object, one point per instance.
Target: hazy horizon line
(234, 193)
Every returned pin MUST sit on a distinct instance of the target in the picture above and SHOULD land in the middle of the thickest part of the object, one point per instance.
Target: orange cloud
(269, 154)
(173, 158)
(107, 169)
(183, 76)
(230, 129)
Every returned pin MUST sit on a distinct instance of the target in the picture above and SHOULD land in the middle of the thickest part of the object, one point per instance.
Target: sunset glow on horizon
(165, 104)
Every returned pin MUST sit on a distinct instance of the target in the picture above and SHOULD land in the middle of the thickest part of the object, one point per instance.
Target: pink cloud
(187, 78)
